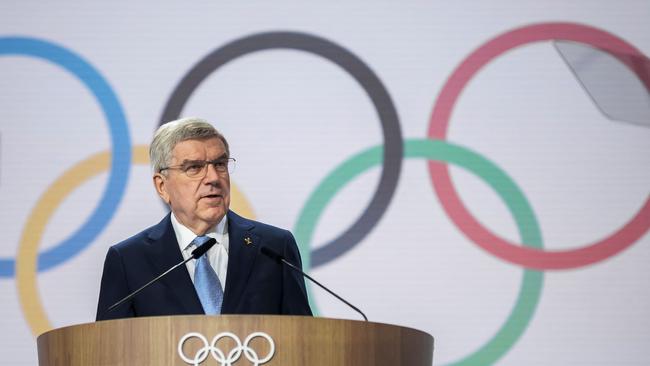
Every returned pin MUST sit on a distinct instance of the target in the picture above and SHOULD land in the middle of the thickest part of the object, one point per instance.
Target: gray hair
(171, 133)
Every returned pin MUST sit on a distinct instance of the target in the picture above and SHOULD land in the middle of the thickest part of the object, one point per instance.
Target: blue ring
(120, 140)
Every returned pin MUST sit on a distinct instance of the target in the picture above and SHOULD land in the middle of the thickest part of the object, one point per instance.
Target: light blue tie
(206, 282)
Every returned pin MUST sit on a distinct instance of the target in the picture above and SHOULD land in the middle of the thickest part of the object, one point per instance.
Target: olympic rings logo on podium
(233, 356)
(434, 148)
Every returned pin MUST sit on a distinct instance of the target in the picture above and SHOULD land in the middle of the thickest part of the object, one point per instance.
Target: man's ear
(159, 181)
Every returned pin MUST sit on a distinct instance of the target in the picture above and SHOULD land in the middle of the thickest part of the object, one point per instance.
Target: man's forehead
(209, 148)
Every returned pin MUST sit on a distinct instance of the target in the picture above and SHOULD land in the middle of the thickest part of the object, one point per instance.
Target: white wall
(293, 117)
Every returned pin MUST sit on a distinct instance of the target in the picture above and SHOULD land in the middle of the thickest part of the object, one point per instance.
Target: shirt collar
(185, 236)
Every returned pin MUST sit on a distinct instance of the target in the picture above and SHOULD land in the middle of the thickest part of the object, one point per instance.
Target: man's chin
(214, 214)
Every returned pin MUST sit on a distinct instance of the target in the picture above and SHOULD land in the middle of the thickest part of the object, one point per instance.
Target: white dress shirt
(217, 255)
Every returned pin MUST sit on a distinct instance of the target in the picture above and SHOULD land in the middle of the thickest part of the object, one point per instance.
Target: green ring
(527, 225)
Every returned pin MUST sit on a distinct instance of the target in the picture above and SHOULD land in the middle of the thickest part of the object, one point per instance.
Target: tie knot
(200, 240)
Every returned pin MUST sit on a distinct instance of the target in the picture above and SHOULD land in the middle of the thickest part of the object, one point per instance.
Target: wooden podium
(234, 340)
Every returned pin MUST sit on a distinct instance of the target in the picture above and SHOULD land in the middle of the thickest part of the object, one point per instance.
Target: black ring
(393, 143)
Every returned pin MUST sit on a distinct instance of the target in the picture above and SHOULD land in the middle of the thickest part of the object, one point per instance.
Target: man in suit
(191, 161)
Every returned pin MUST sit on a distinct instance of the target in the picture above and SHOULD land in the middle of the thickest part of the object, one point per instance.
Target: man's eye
(192, 168)
(221, 163)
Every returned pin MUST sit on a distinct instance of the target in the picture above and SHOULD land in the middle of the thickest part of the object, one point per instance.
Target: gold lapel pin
(248, 241)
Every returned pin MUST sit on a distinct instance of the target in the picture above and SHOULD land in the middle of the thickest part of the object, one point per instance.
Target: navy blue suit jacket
(255, 283)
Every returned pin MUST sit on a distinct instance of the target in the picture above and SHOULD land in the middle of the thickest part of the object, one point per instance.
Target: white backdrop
(293, 117)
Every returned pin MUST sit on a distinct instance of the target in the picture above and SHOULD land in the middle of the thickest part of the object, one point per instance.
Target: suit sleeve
(113, 288)
(294, 293)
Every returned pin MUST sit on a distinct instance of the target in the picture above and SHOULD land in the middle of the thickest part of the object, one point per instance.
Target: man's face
(198, 203)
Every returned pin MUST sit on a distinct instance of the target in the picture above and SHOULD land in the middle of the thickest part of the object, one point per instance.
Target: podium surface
(234, 340)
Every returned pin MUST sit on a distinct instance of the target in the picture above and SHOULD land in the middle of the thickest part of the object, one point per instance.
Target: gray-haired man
(191, 161)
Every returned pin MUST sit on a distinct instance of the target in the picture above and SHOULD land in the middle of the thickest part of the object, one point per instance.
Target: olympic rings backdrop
(474, 170)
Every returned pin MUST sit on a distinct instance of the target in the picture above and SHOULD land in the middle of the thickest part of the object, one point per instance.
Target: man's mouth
(212, 196)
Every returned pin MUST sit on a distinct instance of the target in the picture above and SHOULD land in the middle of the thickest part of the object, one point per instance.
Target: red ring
(439, 173)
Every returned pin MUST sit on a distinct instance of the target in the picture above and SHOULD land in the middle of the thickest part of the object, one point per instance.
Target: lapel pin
(248, 241)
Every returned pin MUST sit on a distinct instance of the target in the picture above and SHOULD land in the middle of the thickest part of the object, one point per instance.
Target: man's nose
(212, 175)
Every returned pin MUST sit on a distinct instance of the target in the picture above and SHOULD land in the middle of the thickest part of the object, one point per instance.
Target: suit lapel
(166, 253)
(242, 251)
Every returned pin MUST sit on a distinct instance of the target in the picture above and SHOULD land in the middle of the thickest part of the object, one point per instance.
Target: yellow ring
(46, 205)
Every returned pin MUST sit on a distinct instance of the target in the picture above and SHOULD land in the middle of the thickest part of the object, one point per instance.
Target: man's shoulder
(144, 237)
(256, 226)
